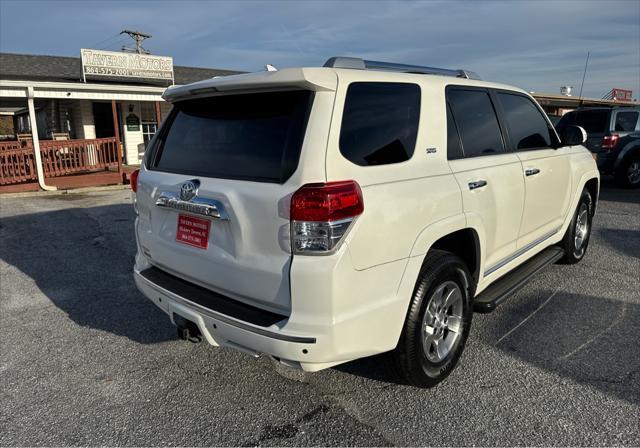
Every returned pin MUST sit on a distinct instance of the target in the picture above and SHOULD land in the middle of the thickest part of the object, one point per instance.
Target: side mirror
(573, 135)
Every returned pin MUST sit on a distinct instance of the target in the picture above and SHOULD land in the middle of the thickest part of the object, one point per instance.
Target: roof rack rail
(361, 64)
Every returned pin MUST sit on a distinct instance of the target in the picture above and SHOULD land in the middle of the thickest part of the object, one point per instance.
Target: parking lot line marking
(583, 345)
(529, 316)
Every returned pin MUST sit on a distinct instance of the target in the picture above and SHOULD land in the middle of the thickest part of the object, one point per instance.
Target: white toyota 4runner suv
(319, 215)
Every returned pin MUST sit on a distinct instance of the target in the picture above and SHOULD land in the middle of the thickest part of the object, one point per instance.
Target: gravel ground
(86, 360)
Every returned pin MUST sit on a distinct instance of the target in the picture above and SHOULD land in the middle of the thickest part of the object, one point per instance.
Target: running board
(504, 287)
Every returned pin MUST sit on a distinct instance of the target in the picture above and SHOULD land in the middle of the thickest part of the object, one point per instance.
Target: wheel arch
(452, 235)
(593, 187)
(465, 243)
(633, 148)
(589, 180)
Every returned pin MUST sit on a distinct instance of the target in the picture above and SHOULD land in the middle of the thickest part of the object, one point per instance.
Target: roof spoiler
(361, 64)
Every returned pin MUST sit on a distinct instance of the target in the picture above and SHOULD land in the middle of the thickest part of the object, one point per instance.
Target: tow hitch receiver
(187, 330)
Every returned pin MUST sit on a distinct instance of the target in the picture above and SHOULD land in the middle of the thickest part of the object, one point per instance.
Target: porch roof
(29, 67)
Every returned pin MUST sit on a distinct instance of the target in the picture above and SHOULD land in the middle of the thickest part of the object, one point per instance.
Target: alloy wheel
(582, 227)
(633, 172)
(442, 323)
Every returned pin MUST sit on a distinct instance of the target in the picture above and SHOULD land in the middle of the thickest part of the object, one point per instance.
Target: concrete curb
(27, 194)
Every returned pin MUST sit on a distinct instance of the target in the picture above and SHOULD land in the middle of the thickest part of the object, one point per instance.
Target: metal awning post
(36, 141)
(114, 111)
(158, 114)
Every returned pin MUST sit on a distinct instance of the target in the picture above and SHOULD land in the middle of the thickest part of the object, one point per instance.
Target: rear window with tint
(254, 136)
(380, 122)
(593, 121)
(626, 121)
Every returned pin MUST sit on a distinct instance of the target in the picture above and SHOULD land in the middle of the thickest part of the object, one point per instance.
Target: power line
(105, 40)
(110, 43)
(115, 44)
(138, 37)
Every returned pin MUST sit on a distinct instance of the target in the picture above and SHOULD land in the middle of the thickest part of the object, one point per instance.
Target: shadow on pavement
(82, 260)
(374, 368)
(610, 191)
(587, 339)
(620, 240)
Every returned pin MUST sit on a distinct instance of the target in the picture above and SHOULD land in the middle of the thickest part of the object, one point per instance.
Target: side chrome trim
(211, 208)
(520, 252)
(226, 319)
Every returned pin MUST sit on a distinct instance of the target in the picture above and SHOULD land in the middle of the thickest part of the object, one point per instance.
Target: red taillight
(609, 142)
(321, 215)
(134, 180)
(327, 202)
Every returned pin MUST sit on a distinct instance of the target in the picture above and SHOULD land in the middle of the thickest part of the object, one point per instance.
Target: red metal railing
(62, 157)
(59, 158)
(13, 145)
(17, 163)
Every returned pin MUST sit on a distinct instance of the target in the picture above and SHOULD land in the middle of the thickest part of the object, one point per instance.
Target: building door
(103, 120)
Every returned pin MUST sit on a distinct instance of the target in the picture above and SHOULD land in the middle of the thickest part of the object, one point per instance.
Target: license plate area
(193, 231)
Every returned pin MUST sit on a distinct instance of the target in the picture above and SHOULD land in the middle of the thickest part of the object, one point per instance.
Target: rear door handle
(477, 184)
(531, 171)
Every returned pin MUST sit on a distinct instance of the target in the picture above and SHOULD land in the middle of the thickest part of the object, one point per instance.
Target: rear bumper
(221, 330)
(606, 161)
(329, 323)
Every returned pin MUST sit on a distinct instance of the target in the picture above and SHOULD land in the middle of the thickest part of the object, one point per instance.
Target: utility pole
(138, 37)
(584, 74)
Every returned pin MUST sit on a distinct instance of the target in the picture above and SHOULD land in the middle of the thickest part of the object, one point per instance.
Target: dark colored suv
(613, 136)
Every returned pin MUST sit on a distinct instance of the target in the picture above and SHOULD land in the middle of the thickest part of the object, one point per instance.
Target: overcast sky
(537, 45)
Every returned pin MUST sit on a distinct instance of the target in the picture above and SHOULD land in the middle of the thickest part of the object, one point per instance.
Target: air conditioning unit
(566, 90)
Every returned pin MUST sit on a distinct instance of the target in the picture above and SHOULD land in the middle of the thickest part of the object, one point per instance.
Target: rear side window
(477, 122)
(626, 121)
(454, 148)
(254, 136)
(380, 122)
(527, 128)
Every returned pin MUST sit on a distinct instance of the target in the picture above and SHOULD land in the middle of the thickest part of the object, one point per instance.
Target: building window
(148, 131)
(149, 123)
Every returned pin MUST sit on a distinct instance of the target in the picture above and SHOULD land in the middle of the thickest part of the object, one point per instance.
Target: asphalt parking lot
(86, 360)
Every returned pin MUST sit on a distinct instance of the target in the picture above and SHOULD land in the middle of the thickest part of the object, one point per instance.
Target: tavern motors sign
(98, 64)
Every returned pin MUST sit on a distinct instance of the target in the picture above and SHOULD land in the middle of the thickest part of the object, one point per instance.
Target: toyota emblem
(188, 190)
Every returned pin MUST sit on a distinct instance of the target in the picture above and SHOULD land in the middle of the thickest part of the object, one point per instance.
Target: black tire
(574, 247)
(410, 360)
(628, 173)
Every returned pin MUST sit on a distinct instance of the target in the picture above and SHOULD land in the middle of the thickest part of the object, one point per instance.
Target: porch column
(158, 114)
(36, 141)
(117, 132)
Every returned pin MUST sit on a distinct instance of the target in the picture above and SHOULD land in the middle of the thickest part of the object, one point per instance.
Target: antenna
(138, 37)
(584, 75)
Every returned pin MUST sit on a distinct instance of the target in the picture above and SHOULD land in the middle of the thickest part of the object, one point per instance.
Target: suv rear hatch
(213, 197)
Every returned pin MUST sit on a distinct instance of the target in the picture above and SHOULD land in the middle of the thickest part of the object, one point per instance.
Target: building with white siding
(105, 120)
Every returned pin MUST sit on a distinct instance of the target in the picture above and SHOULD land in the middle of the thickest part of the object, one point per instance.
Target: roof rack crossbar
(361, 64)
